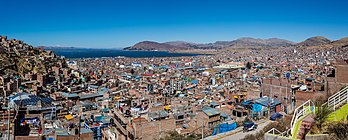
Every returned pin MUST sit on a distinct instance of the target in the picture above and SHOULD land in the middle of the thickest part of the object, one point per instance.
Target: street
(238, 133)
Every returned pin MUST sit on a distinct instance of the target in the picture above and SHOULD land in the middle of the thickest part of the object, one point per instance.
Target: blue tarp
(246, 102)
(266, 101)
(29, 119)
(257, 107)
(222, 128)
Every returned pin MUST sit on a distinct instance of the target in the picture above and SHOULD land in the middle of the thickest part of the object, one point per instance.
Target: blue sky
(118, 24)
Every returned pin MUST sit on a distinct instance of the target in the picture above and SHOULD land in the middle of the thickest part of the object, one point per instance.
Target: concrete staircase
(303, 118)
(300, 113)
(305, 125)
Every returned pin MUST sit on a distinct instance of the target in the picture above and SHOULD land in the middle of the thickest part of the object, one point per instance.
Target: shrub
(339, 130)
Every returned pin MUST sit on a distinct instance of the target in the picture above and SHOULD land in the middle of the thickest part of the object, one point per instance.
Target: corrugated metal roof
(61, 132)
(210, 111)
(265, 101)
(29, 99)
(86, 96)
(157, 114)
(73, 95)
(84, 131)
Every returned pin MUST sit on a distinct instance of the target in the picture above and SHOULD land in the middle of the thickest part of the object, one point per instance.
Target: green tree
(248, 65)
(132, 71)
(246, 120)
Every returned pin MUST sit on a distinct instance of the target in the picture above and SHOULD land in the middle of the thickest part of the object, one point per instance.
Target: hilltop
(152, 46)
(182, 45)
(314, 41)
(19, 58)
(246, 42)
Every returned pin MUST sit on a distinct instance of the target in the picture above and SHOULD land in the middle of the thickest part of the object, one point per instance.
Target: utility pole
(141, 129)
(8, 122)
(286, 94)
(79, 127)
(160, 126)
(202, 128)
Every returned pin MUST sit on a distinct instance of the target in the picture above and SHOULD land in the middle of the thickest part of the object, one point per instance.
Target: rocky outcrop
(19, 58)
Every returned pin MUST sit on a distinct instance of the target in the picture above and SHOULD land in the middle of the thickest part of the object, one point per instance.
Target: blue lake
(94, 53)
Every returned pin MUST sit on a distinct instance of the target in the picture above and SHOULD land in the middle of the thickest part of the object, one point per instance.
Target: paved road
(237, 134)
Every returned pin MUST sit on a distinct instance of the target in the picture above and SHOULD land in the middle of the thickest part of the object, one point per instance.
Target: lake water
(94, 53)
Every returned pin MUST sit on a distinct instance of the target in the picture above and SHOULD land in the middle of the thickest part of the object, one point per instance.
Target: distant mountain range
(239, 43)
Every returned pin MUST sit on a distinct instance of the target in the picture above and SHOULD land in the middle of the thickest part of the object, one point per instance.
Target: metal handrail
(333, 102)
(299, 112)
(337, 99)
(275, 131)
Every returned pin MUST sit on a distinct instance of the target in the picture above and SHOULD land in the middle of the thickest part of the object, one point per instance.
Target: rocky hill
(239, 43)
(181, 45)
(341, 42)
(151, 46)
(252, 42)
(18, 58)
(184, 45)
(314, 41)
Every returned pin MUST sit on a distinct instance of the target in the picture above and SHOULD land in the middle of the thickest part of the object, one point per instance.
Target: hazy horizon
(120, 48)
(119, 24)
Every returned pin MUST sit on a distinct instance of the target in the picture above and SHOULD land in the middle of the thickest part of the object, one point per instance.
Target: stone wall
(151, 130)
(302, 96)
(308, 137)
(342, 73)
(275, 137)
(27, 137)
(335, 87)
(317, 137)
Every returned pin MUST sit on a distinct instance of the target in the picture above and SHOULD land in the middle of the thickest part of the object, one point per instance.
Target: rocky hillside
(151, 46)
(19, 58)
(314, 41)
(181, 45)
(184, 45)
(239, 43)
(252, 42)
(341, 42)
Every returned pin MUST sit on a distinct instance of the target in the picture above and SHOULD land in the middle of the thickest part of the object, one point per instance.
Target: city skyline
(115, 24)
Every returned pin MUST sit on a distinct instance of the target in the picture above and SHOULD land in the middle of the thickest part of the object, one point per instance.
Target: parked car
(249, 126)
(275, 116)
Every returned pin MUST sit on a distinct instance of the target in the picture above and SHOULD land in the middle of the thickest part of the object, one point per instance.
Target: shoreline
(198, 52)
(78, 54)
